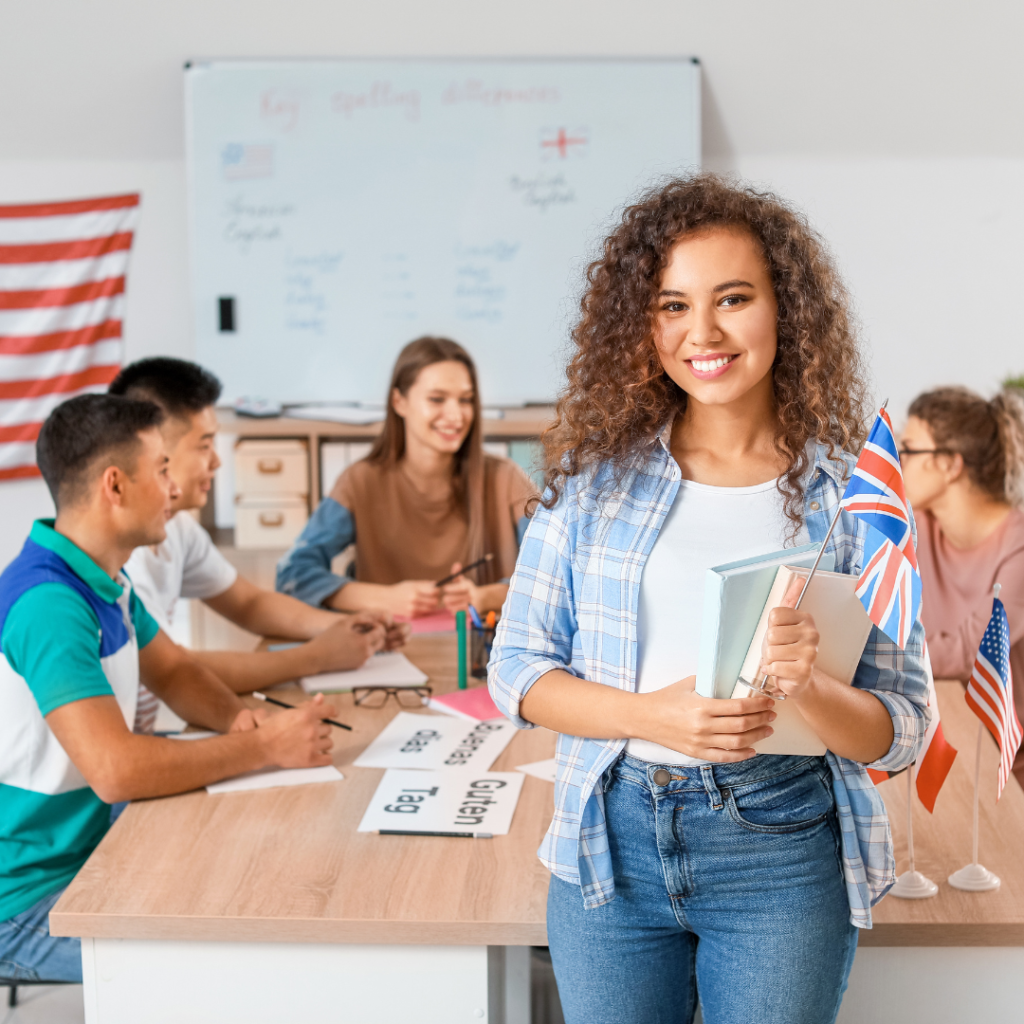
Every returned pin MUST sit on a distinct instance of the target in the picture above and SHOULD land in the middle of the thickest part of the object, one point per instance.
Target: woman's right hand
(413, 598)
(704, 727)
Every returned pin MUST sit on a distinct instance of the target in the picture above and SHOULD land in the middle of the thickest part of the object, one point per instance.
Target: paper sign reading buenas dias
(437, 742)
(445, 801)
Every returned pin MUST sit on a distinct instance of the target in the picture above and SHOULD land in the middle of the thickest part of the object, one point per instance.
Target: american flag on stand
(890, 584)
(62, 282)
(990, 690)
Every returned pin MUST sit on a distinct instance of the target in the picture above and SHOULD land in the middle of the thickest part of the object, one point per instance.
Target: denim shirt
(572, 605)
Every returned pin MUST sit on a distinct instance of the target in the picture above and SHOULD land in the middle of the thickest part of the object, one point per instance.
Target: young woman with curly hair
(712, 402)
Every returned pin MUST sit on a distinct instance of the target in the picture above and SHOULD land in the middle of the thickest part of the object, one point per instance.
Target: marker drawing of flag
(890, 584)
(990, 690)
(62, 284)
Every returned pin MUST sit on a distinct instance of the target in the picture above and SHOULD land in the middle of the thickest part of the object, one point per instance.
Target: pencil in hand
(282, 704)
(465, 569)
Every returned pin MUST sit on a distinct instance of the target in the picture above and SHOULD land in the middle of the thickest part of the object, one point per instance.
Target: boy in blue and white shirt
(74, 639)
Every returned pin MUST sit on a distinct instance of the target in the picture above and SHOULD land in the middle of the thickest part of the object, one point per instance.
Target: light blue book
(734, 597)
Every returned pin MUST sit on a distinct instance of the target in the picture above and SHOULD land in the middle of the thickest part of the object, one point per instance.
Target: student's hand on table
(458, 595)
(713, 730)
(248, 719)
(348, 643)
(395, 633)
(412, 598)
(298, 738)
(790, 647)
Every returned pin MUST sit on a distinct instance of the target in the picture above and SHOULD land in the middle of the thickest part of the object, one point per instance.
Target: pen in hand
(282, 704)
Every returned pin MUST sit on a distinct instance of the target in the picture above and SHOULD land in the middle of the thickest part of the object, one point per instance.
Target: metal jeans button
(661, 777)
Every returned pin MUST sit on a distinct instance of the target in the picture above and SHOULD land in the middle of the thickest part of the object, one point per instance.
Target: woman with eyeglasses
(963, 468)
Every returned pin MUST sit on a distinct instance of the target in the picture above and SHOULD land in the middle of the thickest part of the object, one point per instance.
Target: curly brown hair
(617, 394)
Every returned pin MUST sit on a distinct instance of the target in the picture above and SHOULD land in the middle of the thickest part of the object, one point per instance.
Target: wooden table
(957, 956)
(269, 906)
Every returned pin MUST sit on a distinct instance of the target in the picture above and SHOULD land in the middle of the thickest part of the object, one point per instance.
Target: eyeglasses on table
(377, 696)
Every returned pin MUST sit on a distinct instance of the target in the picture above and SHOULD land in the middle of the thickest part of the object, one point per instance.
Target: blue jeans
(28, 952)
(727, 883)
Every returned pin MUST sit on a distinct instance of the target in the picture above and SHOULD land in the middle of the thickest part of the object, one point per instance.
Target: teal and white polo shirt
(67, 632)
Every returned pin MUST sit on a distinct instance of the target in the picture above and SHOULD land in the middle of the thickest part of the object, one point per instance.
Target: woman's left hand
(791, 646)
(458, 595)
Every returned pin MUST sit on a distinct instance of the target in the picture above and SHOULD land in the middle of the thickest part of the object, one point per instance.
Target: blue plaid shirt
(572, 605)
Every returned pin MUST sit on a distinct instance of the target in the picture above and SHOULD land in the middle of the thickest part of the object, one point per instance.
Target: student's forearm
(852, 723)
(150, 766)
(355, 596)
(198, 695)
(245, 671)
(565, 703)
(267, 613)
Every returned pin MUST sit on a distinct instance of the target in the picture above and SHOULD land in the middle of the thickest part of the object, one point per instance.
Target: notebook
(734, 596)
(843, 625)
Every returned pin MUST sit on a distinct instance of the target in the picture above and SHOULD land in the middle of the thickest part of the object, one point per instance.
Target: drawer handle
(270, 465)
(271, 519)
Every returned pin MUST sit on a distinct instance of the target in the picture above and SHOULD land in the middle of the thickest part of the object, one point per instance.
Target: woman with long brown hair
(963, 468)
(711, 404)
(426, 501)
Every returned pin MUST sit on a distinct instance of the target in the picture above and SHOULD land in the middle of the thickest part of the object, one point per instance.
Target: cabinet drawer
(270, 523)
(271, 467)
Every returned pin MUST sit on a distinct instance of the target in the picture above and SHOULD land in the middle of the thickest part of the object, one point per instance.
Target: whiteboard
(345, 207)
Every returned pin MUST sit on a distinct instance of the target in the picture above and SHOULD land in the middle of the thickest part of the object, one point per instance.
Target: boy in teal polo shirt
(74, 639)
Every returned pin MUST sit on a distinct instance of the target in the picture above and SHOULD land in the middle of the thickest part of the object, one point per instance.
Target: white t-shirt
(706, 526)
(186, 564)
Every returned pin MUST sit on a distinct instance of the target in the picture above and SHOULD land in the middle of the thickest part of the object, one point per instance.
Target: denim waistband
(722, 776)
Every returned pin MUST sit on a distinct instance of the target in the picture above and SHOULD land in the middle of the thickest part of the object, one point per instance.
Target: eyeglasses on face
(377, 696)
(923, 451)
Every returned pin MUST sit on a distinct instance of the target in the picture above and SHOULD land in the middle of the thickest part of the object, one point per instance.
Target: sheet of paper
(545, 770)
(437, 741)
(190, 735)
(439, 622)
(271, 778)
(389, 668)
(444, 801)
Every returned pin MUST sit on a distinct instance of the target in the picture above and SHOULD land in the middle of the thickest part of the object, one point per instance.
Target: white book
(843, 626)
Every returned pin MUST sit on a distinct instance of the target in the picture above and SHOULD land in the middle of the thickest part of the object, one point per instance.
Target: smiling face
(194, 458)
(716, 317)
(148, 493)
(438, 407)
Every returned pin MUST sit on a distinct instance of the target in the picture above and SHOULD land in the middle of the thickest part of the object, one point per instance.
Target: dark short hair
(176, 385)
(82, 432)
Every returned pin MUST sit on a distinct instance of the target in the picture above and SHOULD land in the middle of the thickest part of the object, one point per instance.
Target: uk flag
(990, 690)
(890, 584)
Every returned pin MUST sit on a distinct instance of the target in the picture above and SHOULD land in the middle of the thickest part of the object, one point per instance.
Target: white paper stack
(389, 668)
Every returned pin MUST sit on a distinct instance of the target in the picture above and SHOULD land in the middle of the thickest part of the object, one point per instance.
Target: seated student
(187, 564)
(426, 501)
(963, 468)
(74, 641)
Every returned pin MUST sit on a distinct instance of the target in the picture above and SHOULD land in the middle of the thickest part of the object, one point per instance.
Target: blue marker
(475, 616)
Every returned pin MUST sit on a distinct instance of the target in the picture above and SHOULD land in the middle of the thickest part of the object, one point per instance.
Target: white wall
(896, 126)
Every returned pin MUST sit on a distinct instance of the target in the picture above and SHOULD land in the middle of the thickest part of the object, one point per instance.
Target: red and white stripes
(62, 283)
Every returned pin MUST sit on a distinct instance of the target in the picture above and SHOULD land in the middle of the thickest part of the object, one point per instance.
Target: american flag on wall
(62, 282)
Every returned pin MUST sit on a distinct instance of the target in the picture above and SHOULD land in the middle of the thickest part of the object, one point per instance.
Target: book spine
(707, 660)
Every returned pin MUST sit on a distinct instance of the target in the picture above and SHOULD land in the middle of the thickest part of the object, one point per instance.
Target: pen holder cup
(480, 641)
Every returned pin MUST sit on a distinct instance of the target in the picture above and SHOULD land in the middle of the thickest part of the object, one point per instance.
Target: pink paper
(475, 704)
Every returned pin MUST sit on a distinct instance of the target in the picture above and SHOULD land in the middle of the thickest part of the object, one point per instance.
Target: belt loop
(707, 775)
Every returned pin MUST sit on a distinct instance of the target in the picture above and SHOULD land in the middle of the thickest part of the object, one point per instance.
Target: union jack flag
(990, 690)
(890, 585)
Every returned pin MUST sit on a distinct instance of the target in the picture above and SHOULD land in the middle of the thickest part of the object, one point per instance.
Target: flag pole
(974, 877)
(762, 685)
(912, 885)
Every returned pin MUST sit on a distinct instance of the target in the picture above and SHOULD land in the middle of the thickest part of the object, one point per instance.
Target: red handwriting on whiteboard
(472, 90)
(561, 142)
(280, 109)
(380, 96)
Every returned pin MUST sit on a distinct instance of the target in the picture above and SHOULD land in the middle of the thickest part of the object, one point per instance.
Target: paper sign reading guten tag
(437, 741)
(446, 801)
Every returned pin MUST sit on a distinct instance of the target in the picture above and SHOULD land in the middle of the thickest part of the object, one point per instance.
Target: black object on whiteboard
(226, 309)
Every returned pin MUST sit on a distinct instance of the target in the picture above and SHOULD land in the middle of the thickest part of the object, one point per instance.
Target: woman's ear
(399, 403)
(953, 468)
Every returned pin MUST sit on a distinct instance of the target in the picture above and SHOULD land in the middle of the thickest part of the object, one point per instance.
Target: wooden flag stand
(975, 877)
(912, 885)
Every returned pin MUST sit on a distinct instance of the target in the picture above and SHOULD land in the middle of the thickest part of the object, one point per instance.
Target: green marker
(460, 639)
